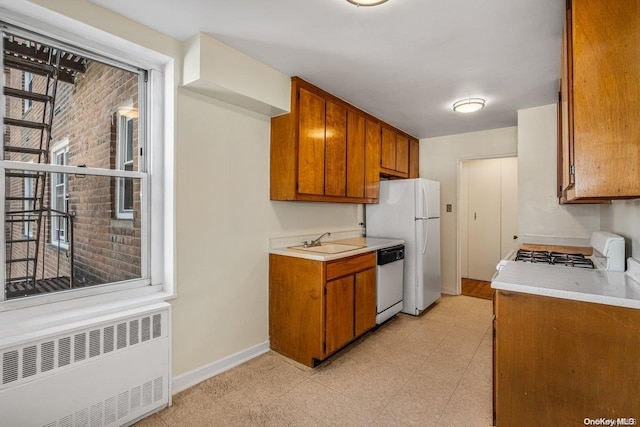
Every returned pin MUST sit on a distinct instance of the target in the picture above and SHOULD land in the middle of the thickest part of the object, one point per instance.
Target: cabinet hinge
(572, 170)
(324, 346)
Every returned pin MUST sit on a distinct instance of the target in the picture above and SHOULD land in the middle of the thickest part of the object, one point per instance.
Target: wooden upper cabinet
(336, 150)
(600, 94)
(402, 153)
(394, 158)
(312, 143)
(414, 158)
(388, 149)
(356, 165)
(326, 150)
(372, 159)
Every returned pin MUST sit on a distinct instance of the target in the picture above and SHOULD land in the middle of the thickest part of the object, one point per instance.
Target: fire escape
(33, 264)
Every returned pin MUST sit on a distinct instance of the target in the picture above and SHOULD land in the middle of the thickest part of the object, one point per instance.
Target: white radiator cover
(106, 371)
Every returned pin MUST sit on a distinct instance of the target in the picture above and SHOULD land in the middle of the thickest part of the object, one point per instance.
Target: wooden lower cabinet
(316, 308)
(339, 313)
(558, 362)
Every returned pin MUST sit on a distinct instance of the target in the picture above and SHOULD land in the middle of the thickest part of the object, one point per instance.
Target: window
(88, 177)
(124, 200)
(28, 86)
(59, 195)
(29, 204)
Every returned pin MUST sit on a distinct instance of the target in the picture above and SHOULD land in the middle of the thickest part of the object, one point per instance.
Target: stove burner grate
(556, 258)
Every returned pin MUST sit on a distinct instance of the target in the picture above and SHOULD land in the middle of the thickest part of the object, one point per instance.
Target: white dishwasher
(390, 276)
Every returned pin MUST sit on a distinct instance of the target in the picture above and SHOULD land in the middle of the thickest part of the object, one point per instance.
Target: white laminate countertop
(368, 244)
(596, 286)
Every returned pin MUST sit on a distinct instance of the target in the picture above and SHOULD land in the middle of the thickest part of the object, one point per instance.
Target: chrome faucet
(315, 242)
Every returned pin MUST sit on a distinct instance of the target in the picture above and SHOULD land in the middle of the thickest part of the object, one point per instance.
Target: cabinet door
(388, 149)
(339, 313)
(565, 112)
(402, 154)
(606, 98)
(355, 155)
(365, 291)
(414, 158)
(336, 149)
(311, 149)
(372, 160)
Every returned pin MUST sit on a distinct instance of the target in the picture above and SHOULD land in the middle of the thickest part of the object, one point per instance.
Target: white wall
(539, 213)
(440, 160)
(623, 218)
(224, 220)
(223, 213)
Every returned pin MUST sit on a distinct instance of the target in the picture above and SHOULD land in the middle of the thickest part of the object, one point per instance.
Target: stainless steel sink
(328, 248)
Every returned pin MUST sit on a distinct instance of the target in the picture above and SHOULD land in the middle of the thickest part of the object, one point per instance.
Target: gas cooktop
(556, 258)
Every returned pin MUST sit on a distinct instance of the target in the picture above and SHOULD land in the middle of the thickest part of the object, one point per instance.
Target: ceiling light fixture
(468, 105)
(366, 2)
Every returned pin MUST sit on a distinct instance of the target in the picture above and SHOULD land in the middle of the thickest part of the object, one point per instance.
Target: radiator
(107, 371)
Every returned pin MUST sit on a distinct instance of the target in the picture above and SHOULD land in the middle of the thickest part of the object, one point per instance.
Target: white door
(489, 214)
(509, 206)
(483, 217)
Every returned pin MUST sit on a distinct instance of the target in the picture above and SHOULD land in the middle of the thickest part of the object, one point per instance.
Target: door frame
(459, 212)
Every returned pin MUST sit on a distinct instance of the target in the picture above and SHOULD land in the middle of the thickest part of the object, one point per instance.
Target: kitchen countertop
(368, 244)
(597, 286)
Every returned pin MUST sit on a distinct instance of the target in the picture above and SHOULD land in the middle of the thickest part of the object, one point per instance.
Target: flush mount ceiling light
(366, 2)
(468, 105)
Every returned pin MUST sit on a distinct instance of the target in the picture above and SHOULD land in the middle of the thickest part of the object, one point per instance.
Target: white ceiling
(405, 61)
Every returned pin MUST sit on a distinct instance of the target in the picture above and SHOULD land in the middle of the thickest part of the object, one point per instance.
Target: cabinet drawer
(343, 267)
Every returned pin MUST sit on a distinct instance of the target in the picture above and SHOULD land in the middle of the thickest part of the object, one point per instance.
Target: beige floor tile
(328, 406)
(421, 401)
(198, 409)
(277, 414)
(265, 382)
(379, 384)
(427, 370)
(151, 421)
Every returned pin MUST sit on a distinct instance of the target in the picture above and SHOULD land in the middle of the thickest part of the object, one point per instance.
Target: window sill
(20, 323)
(122, 223)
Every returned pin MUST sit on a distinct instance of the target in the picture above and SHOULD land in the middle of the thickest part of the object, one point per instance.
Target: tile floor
(432, 370)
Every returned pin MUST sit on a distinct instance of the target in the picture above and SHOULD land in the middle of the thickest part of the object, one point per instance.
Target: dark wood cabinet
(394, 158)
(328, 150)
(372, 159)
(316, 308)
(414, 158)
(598, 134)
(558, 360)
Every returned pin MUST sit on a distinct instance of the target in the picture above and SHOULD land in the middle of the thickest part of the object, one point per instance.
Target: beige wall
(440, 160)
(224, 219)
(223, 214)
(623, 217)
(539, 213)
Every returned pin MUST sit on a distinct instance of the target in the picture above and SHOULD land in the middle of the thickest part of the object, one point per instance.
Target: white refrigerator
(409, 209)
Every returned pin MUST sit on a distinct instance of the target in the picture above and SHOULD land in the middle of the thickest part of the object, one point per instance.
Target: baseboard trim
(188, 379)
(450, 291)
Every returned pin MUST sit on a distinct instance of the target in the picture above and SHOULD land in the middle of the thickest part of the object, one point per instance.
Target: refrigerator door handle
(426, 237)
(425, 201)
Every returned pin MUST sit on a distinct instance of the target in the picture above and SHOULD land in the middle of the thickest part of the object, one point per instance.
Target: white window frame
(29, 205)
(121, 153)
(61, 148)
(159, 262)
(28, 86)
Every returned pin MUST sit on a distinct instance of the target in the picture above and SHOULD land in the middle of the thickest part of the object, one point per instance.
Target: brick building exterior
(104, 238)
